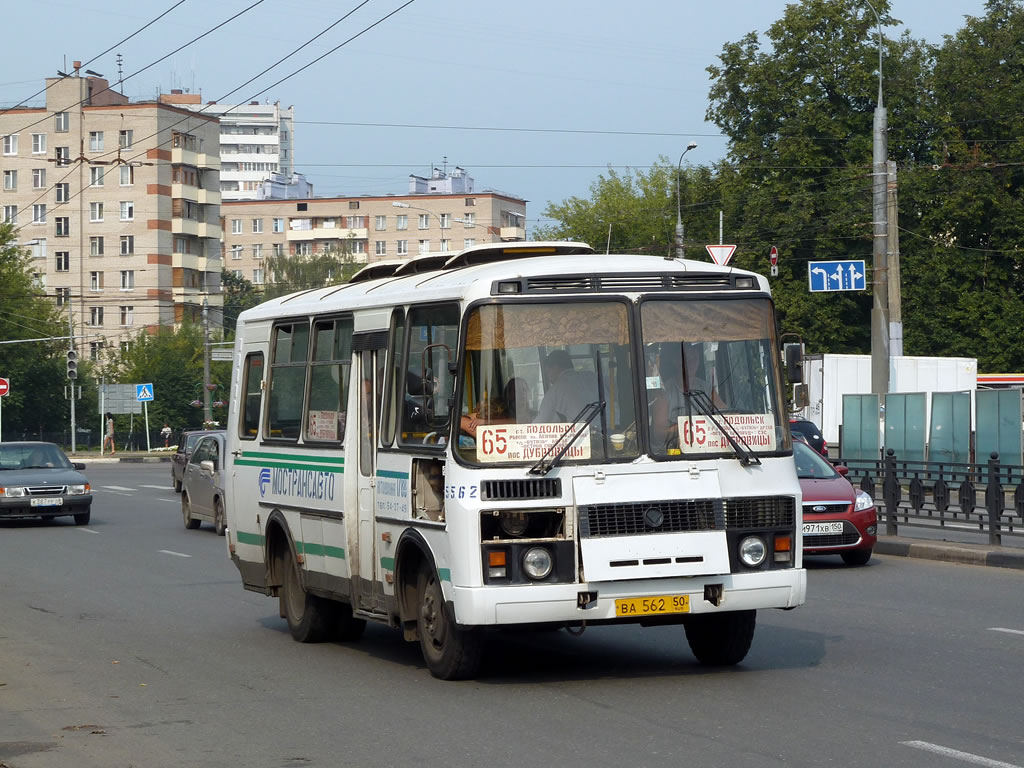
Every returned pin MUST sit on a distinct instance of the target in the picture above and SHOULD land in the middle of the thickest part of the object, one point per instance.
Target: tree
(302, 272)
(239, 295)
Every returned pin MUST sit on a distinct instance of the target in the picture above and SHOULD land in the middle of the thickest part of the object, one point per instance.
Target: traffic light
(72, 364)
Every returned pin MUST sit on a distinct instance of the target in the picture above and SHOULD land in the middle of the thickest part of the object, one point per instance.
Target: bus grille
(532, 488)
(629, 519)
(760, 512)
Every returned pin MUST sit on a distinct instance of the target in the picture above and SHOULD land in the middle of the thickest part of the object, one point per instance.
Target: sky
(588, 84)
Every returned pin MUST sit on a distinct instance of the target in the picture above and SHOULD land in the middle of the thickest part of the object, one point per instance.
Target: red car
(838, 519)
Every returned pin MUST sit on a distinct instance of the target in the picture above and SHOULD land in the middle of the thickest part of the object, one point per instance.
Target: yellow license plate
(652, 606)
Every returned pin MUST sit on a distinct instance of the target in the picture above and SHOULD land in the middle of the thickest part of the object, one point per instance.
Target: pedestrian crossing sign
(144, 393)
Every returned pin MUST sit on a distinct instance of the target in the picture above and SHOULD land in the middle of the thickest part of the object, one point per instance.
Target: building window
(63, 261)
(127, 279)
(127, 245)
(39, 213)
(61, 122)
(63, 192)
(127, 175)
(38, 143)
(380, 223)
(11, 144)
(402, 247)
(95, 141)
(277, 225)
(124, 139)
(303, 249)
(236, 272)
(236, 252)
(95, 212)
(95, 281)
(257, 277)
(353, 205)
(126, 347)
(301, 206)
(424, 246)
(63, 296)
(10, 214)
(63, 224)
(257, 226)
(446, 220)
(96, 245)
(38, 178)
(236, 226)
(182, 245)
(381, 247)
(10, 181)
(445, 244)
(63, 155)
(278, 249)
(127, 315)
(96, 176)
(470, 201)
(257, 250)
(96, 347)
(402, 221)
(354, 222)
(358, 246)
(469, 242)
(424, 221)
(469, 220)
(127, 210)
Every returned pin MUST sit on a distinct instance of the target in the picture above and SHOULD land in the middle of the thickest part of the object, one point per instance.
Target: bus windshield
(531, 370)
(712, 368)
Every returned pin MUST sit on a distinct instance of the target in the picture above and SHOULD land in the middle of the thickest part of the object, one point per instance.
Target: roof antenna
(120, 71)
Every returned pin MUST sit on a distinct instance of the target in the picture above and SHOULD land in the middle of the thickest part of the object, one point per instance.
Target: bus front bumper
(560, 603)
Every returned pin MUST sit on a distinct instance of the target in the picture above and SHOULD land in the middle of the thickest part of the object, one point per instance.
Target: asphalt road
(130, 642)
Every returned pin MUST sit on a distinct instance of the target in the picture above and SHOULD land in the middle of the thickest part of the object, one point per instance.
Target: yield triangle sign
(721, 254)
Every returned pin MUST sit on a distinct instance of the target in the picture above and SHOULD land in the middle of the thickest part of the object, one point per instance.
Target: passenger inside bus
(567, 390)
(671, 401)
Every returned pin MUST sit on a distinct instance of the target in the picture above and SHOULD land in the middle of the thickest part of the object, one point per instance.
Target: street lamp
(680, 248)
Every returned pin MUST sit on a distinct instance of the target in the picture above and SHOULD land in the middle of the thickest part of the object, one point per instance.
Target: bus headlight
(537, 563)
(753, 551)
(514, 523)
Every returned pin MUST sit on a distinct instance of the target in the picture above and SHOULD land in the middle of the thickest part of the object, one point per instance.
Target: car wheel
(186, 513)
(220, 524)
(450, 653)
(82, 518)
(309, 617)
(176, 483)
(721, 639)
(856, 556)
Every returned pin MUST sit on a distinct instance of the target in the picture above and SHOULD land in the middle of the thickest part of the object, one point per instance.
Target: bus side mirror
(800, 398)
(794, 364)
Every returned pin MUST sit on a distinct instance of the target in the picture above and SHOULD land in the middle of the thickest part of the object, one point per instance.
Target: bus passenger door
(370, 590)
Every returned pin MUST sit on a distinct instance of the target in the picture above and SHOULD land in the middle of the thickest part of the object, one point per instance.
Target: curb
(952, 553)
(122, 459)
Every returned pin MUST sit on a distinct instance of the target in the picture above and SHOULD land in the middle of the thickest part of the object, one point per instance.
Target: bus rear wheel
(308, 616)
(451, 653)
(721, 639)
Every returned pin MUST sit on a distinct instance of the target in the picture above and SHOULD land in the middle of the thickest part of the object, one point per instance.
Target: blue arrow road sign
(144, 392)
(828, 276)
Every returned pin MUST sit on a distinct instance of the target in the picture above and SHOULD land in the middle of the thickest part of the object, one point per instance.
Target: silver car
(37, 480)
(202, 484)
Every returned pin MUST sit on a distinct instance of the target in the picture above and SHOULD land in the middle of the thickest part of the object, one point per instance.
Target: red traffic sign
(721, 254)
(773, 254)
(5, 387)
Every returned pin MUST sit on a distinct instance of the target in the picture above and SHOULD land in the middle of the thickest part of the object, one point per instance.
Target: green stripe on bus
(293, 457)
(249, 538)
(444, 574)
(320, 550)
(387, 563)
(392, 474)
(281, 464)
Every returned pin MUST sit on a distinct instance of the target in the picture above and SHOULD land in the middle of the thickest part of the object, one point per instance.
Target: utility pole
(893, 259)
(880, 279)
(207, 413)
(71, 379)
(680, 246)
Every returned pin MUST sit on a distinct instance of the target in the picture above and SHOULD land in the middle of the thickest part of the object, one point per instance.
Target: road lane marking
(1003, 629)
(86, 530)
(169, 552)
(158, 487)
(170, 501)
(967, 757)
(116, 488)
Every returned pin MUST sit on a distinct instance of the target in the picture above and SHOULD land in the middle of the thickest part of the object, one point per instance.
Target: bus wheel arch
(411, 556)
(277, 541)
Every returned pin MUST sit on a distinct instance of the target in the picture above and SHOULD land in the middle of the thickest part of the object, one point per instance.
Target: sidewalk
(136, 457)
(951, 551)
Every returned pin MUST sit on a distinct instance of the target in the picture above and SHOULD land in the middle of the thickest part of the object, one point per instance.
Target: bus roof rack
(375, 271)
(491, 252)
(421, 264)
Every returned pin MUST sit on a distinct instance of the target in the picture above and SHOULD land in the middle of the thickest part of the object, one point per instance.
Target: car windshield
(531, 370)
(720, 352)
(810, 465)
(32, 456)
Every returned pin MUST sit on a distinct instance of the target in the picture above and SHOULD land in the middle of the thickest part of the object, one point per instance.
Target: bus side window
(433, 338)
(249, 425)
(393, 394)
(287, 380)
(329, 379)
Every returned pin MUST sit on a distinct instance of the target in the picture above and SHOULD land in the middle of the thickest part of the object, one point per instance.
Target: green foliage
(239, 295)
(300, 273)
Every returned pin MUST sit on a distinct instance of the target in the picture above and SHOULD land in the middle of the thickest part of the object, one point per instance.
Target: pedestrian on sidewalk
(166, 434)
(109, 437)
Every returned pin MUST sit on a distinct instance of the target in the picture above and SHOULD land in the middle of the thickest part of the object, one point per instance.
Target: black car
(37, 480)
(811, 433)
(186, 444)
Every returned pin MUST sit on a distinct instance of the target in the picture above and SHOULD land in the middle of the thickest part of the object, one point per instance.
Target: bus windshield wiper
(739, 446)
(546, 463)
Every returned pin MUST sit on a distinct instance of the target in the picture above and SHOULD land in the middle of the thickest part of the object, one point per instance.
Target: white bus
(516, 434)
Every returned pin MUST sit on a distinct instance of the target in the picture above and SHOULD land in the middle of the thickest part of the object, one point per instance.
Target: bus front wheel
(451, 653)
(308, 616)
(721, 639)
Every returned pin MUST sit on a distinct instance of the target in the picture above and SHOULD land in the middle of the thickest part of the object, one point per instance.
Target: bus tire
(721, 639)
(186, 513)
(308, 616)
(450, 653)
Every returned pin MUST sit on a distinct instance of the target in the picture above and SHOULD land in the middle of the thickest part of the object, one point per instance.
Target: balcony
(513, 233)
(180, 156)
(195, 194)
(327, 233)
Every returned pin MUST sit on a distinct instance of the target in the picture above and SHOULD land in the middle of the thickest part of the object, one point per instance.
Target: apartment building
(371, 228)
(256, 141)
(119, 204)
